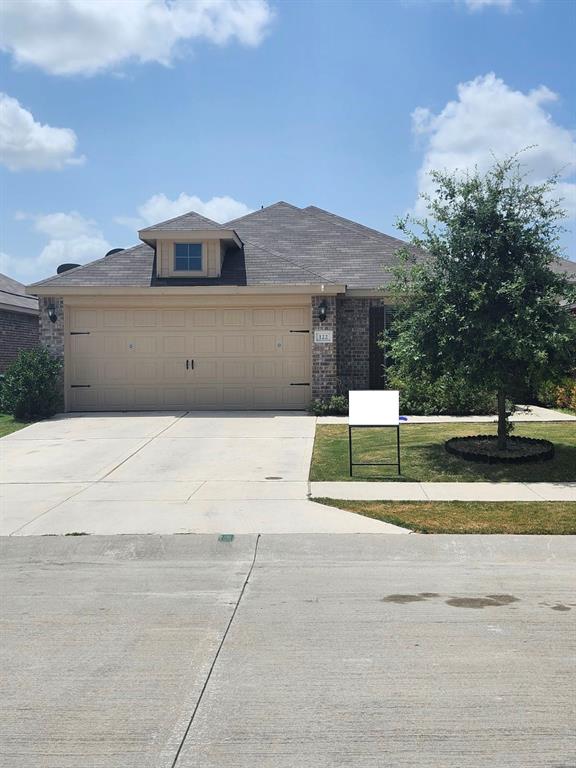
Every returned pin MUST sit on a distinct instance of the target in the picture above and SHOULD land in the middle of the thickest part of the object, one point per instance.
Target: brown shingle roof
(282, 244)
(13, 294)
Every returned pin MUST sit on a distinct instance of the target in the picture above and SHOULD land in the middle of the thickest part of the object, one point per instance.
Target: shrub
(446, 395)
(337, 405)
(560, 394)
(31, 385)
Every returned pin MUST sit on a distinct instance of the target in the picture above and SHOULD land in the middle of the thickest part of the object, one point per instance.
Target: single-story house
(18, 320)
(267, 311)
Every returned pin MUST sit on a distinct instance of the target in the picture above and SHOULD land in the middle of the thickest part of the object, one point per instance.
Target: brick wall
(17, 331)
(353, 343)
(324, 360)
(52, 334)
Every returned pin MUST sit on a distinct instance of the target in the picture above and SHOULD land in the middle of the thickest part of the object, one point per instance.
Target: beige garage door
(188, 358)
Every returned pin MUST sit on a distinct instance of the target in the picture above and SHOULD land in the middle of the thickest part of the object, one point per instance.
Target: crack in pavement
(216, 655)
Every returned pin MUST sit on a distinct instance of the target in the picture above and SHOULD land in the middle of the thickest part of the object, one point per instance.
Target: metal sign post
(369, 409)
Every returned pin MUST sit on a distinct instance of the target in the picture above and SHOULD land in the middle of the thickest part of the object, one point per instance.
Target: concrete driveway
(288, 651)
(165, 473)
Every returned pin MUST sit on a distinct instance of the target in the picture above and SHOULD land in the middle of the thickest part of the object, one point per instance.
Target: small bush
(447, 395)
(560, 394)
(337, 405)
(31, 385)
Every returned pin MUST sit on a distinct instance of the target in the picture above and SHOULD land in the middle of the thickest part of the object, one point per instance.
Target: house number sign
(323, 337)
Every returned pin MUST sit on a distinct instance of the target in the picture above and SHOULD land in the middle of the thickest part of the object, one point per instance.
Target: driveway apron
(157, 472)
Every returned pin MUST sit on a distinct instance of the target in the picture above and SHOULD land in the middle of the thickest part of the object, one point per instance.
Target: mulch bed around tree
(484, 448)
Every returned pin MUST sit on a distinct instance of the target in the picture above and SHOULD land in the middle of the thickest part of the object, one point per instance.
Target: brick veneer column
(354, 341)
(52, 334)
(324, 356)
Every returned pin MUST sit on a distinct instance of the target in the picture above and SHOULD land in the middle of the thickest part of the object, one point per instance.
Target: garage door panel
(82, 344)
(204, 370)
(202, 318)
(174, 370)
(295, 343)
(234, 318)
(234, 345)
(173, 345)
(173, 318)
(295, 397)
(267, 397)
(115, 398)
(175, 397)
(115, 318)
(84, 370)
(237, 396)
(296, 318)
(264, 317)
(295, 370)
(264, 344)
(84, 399)
(142, 345)
(235, 369)
(204, 345)
(145, 398)
(145, 318)
(146, 370)
(266, 369)
(136, 358)
(206, 397)
(116, 371)
(114, 345)
(83, 319)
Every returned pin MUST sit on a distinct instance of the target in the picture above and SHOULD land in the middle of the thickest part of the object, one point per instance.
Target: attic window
(187, 257)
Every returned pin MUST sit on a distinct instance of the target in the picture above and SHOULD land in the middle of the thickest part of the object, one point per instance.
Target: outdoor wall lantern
(322, 311)
(52, 313)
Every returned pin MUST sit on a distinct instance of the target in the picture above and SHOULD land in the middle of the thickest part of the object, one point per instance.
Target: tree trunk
(502, 421)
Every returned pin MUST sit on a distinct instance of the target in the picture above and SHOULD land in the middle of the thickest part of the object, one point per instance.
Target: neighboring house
(18, 320)
(267, 311)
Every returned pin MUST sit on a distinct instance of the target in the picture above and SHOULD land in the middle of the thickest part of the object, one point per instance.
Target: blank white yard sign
(376, 408)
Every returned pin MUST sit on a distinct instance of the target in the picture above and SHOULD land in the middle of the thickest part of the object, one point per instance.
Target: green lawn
(424, 458)
(9, 424)
(546, 517)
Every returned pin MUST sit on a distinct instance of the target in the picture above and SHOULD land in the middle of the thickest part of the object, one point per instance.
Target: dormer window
(188, 257)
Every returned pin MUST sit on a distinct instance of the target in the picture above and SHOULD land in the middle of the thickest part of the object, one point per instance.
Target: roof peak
(279, 204)
(191, 219)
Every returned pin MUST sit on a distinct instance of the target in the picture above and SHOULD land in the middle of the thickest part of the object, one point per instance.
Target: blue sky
(120, 114)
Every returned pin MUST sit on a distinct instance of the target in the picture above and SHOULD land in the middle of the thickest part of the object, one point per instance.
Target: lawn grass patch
(9, 424)
(512, 517)
(425, 459)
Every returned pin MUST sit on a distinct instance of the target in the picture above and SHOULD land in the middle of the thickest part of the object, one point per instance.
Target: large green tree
(487, 302)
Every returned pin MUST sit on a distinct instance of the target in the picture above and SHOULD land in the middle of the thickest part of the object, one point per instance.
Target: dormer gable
(189, 246)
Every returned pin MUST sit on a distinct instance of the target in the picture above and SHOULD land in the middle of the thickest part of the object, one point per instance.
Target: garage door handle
(187, 364)
(192, 364)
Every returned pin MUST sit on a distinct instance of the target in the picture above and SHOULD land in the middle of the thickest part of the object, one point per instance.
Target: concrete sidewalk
(377, 491)
(288, 651)
(526, 413)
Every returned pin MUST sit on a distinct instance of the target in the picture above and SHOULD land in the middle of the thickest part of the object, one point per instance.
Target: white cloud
(479, 5)
(68, 37)
(61, 226)
(489, 120)
(26, 144)
(160, 208)
(71, 238)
